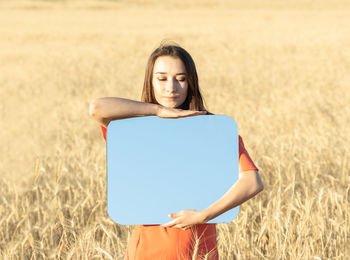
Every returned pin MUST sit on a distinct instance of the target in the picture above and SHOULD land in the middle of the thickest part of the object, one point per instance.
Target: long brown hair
(194, 100)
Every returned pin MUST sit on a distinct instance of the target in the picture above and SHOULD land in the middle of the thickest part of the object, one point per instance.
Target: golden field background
(281, 69)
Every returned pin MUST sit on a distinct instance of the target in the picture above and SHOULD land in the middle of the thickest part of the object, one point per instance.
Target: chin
(170, 105)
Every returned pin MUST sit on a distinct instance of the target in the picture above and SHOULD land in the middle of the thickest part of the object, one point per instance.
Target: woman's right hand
(167, 112)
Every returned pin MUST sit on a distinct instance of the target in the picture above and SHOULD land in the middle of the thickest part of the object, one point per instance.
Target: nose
(171, 86)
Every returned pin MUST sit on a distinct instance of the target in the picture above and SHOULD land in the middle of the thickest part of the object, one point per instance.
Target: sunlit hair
(194, 100)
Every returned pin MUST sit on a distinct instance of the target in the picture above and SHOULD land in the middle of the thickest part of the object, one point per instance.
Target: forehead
(168, 64)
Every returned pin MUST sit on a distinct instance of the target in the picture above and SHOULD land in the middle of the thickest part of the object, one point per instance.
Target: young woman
(171, 90)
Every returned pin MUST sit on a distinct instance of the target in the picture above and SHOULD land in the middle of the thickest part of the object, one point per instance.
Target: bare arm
(248, 185)
(107, 109)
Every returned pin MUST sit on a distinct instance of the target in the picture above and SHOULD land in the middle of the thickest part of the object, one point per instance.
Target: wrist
(155, 110)
(204, 216)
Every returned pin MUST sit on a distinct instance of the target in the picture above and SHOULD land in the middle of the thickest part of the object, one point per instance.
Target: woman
(171, 90)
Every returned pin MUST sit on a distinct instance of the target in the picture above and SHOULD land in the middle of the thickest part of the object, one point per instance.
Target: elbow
(93, 108)
(259, 188)
(95, 112)
(252, 180)
(259, 185)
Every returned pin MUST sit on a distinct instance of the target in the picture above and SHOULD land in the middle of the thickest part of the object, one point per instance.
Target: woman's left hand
(185, 219)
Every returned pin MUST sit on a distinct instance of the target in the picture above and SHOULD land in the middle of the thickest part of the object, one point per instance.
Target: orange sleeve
(245, 162)
(104, 130)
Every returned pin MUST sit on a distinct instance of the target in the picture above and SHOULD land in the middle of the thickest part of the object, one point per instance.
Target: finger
(192, 113)
(177, 226)
(169, 224)
(180, 226)
(200, 112)
(189, 226)
(173, 215)
(197, 112)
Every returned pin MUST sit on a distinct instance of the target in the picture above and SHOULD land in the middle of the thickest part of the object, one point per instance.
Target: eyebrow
(182, 73)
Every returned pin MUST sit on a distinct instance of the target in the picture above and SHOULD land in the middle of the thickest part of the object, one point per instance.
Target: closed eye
(164, 79)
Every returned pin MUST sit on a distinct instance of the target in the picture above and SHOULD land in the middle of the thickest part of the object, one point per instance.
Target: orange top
(167, 243)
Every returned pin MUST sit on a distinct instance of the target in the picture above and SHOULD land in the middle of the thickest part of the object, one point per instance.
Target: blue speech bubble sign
(157, 166)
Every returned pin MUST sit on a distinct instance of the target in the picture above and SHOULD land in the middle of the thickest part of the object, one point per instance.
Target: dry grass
(280, 70)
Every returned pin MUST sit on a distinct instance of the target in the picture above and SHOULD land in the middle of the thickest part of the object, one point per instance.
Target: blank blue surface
(157, 166)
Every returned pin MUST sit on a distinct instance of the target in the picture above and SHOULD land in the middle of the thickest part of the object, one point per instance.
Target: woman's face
(169, 81)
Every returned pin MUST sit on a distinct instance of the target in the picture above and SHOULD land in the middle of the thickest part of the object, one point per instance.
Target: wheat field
(281, 69)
